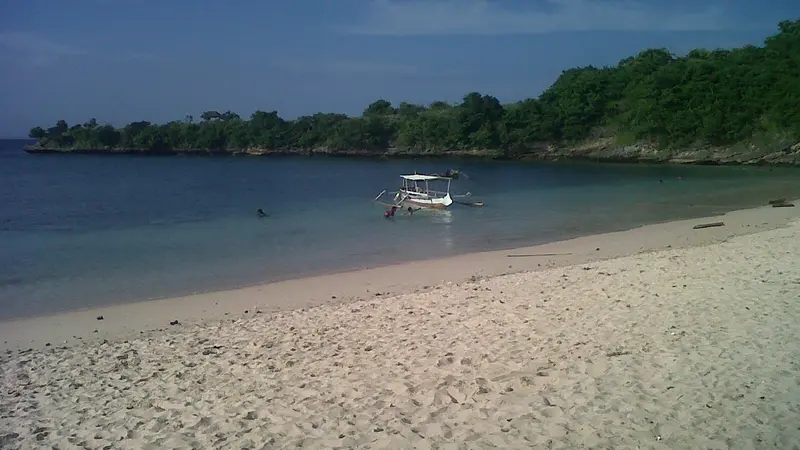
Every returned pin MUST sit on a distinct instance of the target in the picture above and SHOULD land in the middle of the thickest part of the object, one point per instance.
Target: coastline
(601, 151)
(133, 319)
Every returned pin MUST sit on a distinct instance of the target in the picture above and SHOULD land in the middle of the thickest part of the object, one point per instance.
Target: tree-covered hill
(741, 103)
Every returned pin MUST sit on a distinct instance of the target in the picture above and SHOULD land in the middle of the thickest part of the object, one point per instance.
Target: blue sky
(159, 60)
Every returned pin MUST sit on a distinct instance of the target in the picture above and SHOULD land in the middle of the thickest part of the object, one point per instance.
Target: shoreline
(759, 160)
(671, 348)
(132, 319)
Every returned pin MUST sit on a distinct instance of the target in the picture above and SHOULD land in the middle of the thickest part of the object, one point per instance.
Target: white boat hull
(422, 201)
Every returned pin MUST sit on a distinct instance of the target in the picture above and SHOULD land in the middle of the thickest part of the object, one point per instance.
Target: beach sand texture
(683, 348)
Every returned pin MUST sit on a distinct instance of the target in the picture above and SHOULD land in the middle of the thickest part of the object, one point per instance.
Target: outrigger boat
(416, 193)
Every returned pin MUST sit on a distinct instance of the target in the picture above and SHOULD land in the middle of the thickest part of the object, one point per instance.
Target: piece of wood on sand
(708, 225)
(531, 255)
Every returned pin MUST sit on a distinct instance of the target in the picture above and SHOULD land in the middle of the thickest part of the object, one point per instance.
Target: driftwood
(468, 203)
(538, 254)
(709, 225)
(780, 203)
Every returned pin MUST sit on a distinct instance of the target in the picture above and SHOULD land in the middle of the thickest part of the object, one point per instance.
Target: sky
(160, 60)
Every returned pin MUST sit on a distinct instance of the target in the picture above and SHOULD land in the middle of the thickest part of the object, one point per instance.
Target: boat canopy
(417, 177)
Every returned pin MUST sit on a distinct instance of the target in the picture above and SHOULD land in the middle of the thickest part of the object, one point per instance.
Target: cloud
(32, 50)
(485, 17)
(37, 50)
(345, 67)
(136, 57)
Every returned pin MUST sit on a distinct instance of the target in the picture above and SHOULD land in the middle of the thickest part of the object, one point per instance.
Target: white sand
(695, 347)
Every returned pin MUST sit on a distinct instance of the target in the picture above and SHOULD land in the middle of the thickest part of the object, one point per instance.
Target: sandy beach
(660, 337)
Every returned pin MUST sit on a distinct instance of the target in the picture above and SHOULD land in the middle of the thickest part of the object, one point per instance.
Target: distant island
(739, 106)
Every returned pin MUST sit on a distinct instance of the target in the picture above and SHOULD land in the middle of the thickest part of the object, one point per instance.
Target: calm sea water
(81, 231)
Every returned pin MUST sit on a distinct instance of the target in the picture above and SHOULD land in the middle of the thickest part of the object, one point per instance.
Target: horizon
(307, 56)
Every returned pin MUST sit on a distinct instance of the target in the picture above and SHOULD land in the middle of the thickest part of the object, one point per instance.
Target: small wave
(5, 282)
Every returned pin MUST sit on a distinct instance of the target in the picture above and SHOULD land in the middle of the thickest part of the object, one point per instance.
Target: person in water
(410, 211)
(261, 213)
(389, 213)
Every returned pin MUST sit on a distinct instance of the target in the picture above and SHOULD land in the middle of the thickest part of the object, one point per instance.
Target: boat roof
(420, 177)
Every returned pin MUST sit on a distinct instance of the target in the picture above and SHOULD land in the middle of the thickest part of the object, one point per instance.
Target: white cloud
(37, 50)
(485, 17)
(137, 57)
(33, 50)
(348, 67)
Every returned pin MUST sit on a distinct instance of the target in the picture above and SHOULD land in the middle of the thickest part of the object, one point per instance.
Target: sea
(80, 231)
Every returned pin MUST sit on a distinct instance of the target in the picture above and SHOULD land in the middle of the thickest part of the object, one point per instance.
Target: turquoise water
(81, 231)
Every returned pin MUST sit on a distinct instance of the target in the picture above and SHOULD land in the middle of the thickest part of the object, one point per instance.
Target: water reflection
(444, 216)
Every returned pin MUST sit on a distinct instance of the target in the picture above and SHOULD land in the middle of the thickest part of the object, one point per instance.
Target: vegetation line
(721, 106)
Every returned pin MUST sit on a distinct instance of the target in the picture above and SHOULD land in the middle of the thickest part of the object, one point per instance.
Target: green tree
(108, 136)
(210, 115)
(379, 108)
(37, 133)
